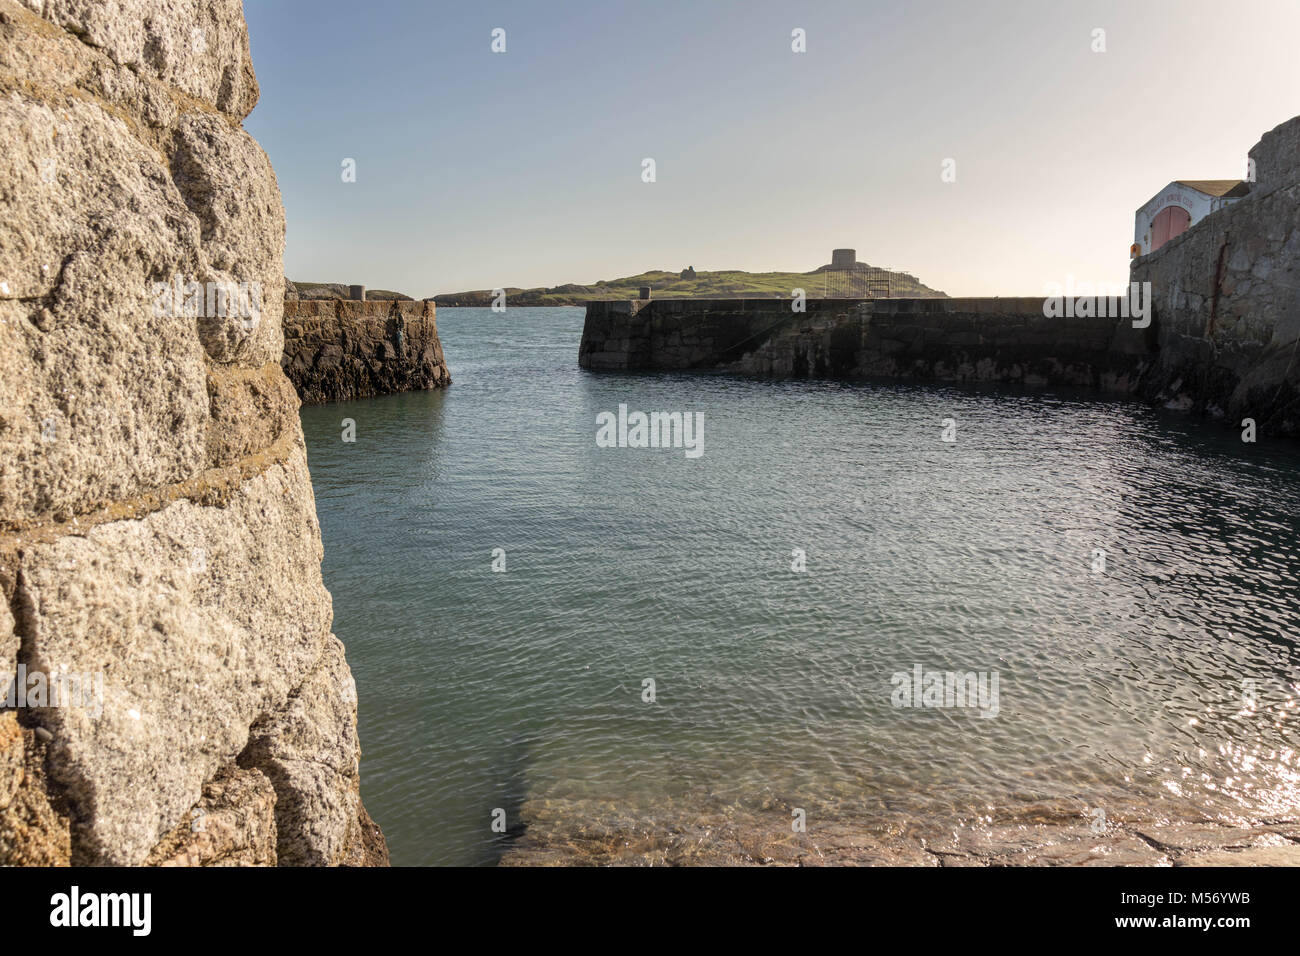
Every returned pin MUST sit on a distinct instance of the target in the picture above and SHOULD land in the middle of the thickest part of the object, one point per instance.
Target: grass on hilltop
(732, 284)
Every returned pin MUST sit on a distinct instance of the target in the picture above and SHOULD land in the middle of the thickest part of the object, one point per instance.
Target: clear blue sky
(477, 170)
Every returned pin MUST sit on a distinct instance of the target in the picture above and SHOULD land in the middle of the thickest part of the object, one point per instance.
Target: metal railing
(859, 283)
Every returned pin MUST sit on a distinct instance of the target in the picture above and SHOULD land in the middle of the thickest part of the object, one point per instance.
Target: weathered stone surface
(34, 828)
(12, 754)
(1277, 157)
(1201, 837)
(1256, 856)
(100, 398)
(8, 641)
(250, 410)
(1112, 850)
(309, 751)
(232, 825)
(369, 848)
(197, 46)
(336, 350)
(101, 206)
(227, 182)
(157, 525)
(1227, 301)
(201, 620)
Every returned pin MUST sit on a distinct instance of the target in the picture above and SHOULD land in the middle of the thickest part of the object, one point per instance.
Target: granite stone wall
(158, 534)
(1227, 301)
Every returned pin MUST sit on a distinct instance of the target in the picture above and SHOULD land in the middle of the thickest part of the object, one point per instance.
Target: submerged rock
(585, 833)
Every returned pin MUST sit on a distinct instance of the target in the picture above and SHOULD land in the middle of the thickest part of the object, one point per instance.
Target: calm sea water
(1170, 679)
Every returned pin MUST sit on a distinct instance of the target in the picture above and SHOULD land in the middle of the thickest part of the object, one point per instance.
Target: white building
(1178, 206)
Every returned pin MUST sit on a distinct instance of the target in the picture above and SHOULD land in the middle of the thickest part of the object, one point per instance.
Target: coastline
(1056, 833)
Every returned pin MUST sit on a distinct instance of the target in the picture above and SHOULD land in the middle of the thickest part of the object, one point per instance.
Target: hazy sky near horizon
(477, 169)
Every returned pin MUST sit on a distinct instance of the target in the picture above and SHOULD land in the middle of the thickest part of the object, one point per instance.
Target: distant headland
(727, 284)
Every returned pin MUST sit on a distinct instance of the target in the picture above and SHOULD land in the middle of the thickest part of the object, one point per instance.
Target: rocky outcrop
(1226, 297)
(337, 290)
(232, 825)
(336, 350)
(158, 534)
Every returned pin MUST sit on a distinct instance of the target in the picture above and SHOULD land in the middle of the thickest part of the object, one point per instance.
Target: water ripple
(1170, 679)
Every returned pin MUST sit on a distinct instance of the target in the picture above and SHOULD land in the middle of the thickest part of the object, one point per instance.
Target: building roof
(1231, 188)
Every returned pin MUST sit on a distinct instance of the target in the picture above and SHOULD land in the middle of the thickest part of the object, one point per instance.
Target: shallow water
(482, 690)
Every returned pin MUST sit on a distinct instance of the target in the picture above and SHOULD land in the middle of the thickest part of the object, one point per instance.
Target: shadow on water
(513, 792)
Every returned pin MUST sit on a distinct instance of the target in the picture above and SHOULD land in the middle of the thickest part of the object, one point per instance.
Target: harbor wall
(1223, 338)
(341, 349)
(933, 339)
(1226, 301)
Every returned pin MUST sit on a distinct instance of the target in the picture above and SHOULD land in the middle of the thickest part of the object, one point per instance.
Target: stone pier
(1223, 338)
(933, 339)
(336, 349)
